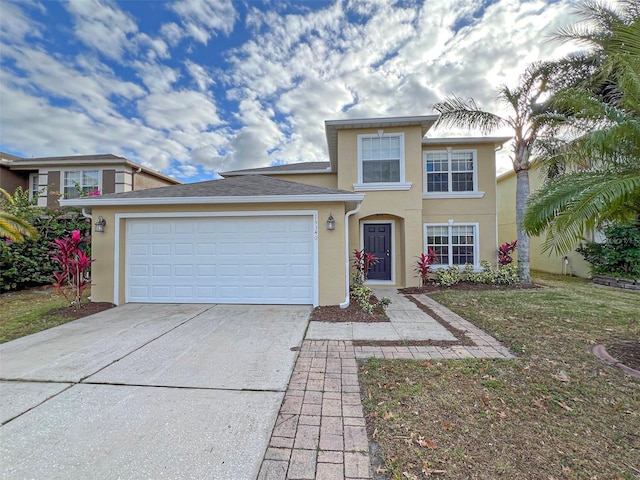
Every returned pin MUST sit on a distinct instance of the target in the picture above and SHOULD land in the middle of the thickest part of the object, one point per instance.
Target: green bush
(27, 264)
(503, 275)
(362, 295)
(618, 255)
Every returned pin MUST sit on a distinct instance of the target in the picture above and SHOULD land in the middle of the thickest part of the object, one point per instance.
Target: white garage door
(262, 259)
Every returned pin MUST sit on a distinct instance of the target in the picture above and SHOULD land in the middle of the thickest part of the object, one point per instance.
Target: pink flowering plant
(363, 261)
(505, 251)
(74, 267)
(423, 265)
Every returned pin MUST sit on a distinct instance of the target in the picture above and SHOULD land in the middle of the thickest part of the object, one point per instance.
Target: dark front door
(377, 240)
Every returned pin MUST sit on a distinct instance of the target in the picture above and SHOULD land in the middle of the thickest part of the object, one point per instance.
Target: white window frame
(73, 170)
(450, 225)
(451, 194)
(401, 185)
(34, 194)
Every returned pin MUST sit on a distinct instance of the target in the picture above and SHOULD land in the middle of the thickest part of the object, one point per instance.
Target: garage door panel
(266, 259)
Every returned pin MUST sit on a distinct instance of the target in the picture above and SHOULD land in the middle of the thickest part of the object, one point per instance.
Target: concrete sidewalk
(320, 431)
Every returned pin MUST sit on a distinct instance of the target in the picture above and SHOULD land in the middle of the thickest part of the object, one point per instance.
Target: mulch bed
(72, 312)
(431, 288)
(626, 352)
(353, 313)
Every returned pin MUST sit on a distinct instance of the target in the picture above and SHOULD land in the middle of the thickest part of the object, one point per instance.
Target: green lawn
(26, 312)
(556, 412)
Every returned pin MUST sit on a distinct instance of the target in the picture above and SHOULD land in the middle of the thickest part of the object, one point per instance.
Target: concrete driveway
(148, 391)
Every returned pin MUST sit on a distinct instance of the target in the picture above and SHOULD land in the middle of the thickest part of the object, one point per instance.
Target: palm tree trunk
(522, 195)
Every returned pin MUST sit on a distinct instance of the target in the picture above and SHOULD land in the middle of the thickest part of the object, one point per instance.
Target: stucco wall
(143, 180)
(327, 180)
(507, 230)
(331, 260)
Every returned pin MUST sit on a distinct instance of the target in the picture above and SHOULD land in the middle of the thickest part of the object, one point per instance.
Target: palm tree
(526, 121)
(14, 228)
(599, 177)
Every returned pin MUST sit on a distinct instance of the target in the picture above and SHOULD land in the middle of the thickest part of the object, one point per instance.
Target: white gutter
(346, 302)
(130, 201)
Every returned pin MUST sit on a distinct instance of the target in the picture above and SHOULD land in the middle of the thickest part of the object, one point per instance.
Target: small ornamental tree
(505, 251)
(74, 267)
(423, 265)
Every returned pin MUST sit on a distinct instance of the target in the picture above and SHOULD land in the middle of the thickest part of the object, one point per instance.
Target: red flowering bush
(74, 266)
(423, 265)
(505, 251)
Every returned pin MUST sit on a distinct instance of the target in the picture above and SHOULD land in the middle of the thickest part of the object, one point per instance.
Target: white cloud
(204, 18)
(103, 26)
(200, 75)
(185, 110)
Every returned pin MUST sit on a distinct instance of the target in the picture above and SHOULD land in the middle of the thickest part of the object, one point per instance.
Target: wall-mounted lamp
(331, 223)
(100, 224)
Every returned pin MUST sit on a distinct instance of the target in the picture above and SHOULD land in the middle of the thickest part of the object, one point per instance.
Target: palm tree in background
(526, 121)
(595, 165)
(14, 228)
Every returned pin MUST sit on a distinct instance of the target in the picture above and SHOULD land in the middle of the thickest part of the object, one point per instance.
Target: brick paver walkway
(320, 431)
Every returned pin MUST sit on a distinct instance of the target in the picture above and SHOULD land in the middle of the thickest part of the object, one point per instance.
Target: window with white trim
(34, 186)
(450, 171)
(75, 181)
(453, 243)
(381, 158)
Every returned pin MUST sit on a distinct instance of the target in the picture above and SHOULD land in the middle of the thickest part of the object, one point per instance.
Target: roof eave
(496, 141)
(90, 202)
(275, 172)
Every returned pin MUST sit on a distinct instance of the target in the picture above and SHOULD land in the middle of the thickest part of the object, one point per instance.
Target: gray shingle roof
(290, 167)
(241, 186)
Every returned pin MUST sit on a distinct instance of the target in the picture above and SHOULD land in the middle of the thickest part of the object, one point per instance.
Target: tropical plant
(618, 255)
(527, 122)
(74, 266)
(505, 251)
(363, 261)
(595, 157)
(423, 265)
(12, 227)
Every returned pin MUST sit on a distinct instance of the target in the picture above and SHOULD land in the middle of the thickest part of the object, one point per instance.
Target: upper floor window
(77, 181)
(451, 173)
(381, 162)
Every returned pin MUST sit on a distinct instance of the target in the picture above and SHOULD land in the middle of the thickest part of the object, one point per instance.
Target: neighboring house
(571, 263)
(49, 178)
(263, 236)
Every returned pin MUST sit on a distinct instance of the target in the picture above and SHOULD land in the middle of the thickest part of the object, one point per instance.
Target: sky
(195, 87)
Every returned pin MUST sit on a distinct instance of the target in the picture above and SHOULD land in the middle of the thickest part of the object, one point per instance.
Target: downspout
(84, 212)
(346, 302)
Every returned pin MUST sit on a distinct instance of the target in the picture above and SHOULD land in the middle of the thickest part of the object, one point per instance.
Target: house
(571, 263)
(48, 178)
(285, 234)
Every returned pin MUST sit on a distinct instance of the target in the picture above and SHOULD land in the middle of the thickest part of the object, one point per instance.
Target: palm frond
(457, 112)
(572, 202)
(14, 228)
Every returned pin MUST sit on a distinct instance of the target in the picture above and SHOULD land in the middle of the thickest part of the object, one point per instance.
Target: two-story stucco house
(49, 178)
(285, 234)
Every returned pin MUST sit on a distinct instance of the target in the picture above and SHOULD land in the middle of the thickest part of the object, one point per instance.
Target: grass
(556, 412)
(26, 312)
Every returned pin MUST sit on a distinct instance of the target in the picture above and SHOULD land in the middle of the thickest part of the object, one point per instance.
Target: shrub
(618, 255)
(28, 264)
(445, 277)
(423, 265)
(503, 275)
(362, 295)
(73, 266)
(505, 251)
(363, 261)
